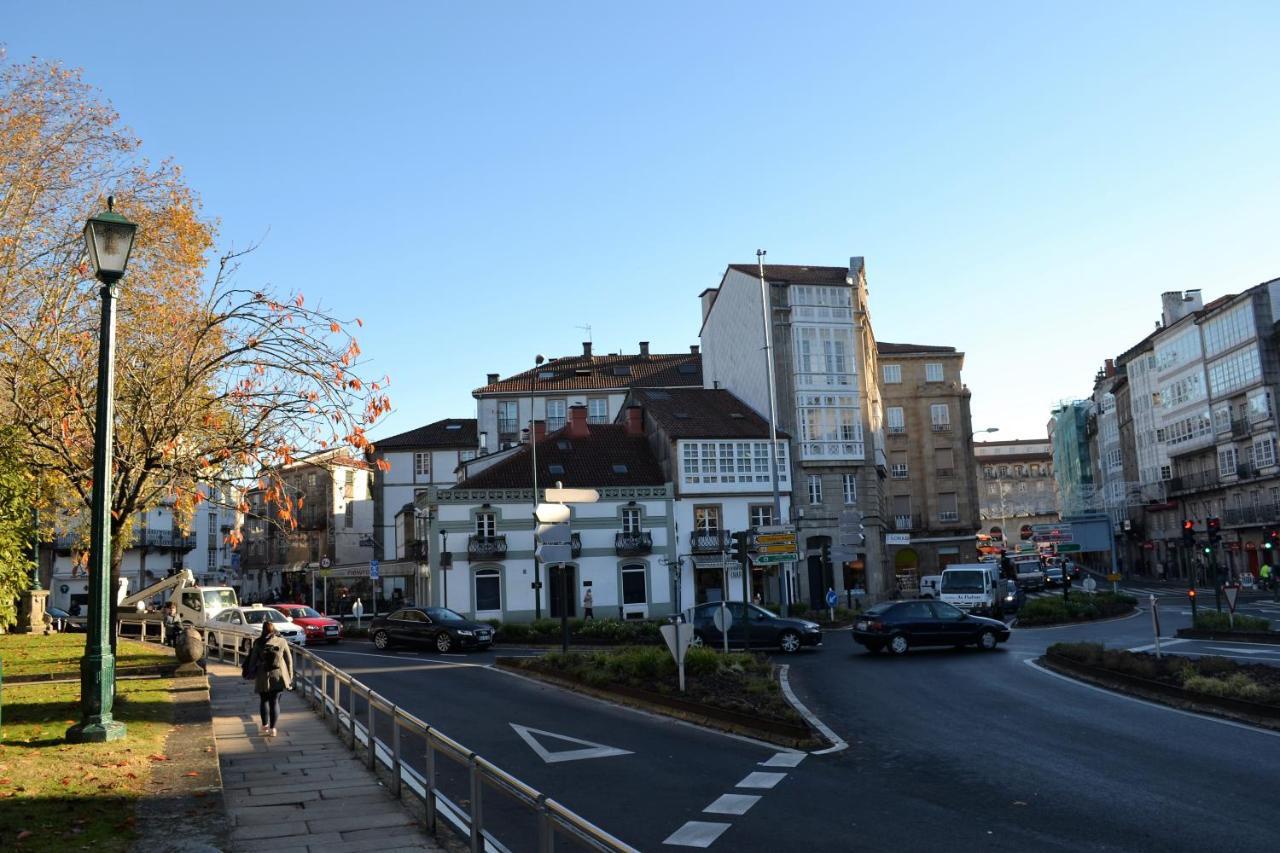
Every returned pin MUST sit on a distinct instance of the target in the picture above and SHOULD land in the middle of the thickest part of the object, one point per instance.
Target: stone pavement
(302, 791)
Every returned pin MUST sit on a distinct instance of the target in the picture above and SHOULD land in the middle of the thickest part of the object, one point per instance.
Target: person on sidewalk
(271, 663)
(587, 604)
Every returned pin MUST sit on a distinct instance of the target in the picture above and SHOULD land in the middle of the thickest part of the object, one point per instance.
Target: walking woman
(271, 661)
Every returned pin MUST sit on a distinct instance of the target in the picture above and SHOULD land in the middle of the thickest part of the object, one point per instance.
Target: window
(1222, 419)
(730, 462)
(1259, 406)
(1185, 389)
(349, 485)
(633, 585)
(815, 489)
(422, 464)
(631, 520)
(706, 519)
(488, 591)
(820, 303)
(349, 515)
(1166, 472)
(486, 524)
(508, 416)
(1227, 461)
(933, 373)
(849, 485)
(761, 515)
(892, 374)
(830, 426)
(212, 562)
(1237, 370)
(597, 411)
(1228, 329)
(1264, 452)
(940, 417)
(898, 470)
(895, 423)
(466, 456)
(944, 462)
(947, 507)
(823, 355)
(555, 415)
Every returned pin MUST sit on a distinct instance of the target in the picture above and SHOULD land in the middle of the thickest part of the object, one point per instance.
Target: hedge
(1080, 607)
(1212, 620)
(1210, 676)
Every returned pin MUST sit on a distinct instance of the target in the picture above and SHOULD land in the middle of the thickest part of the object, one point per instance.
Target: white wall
(732, 341)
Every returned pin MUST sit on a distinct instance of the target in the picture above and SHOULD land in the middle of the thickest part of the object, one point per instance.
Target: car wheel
(381, 640)
(444, 642)
(696, 641)
(987, 640)
(789, 642)
(898, 644)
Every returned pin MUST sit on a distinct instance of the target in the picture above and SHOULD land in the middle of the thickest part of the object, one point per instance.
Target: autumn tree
(217, 384)
(16, 527)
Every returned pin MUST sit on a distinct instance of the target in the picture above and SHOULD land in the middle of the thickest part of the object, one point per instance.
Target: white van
(929, 585)
(974, 587)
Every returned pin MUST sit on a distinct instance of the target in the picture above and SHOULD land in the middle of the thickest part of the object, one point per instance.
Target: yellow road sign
(781, 548)
(775, 539)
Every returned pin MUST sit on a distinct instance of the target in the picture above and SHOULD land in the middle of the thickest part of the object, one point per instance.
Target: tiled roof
(450, 432)
(701, 413)
(796, 274)
(885, 348)
(583, 372)
(606, 457)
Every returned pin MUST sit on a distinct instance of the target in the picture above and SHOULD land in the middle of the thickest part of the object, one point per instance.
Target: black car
(899, 625)
(1013, 597)
(764, 629)
(438, 627)
(1053, 576)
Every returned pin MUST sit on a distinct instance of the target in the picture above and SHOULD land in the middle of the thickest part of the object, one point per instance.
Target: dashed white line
(696, 833)
(784, 759)
(760, 779)
(733, 804)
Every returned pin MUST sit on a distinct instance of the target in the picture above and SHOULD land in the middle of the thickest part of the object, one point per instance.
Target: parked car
(64, 621)
(900, 625)
(240, 626)
(764, 628)
(1053, 576)
(438, 627)
(315, 625)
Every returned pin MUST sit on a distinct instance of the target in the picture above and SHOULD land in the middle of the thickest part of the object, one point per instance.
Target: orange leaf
(334, 327)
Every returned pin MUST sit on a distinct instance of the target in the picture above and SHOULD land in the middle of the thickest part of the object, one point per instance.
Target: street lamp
(533, 447)
(109, 240)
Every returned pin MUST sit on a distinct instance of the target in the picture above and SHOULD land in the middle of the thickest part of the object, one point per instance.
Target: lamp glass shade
(109, 240)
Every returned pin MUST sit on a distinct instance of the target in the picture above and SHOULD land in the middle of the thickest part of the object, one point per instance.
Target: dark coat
(279, 678)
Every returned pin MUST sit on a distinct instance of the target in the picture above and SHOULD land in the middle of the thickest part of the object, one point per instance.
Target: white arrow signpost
(555, 541)
(678, 637)
(1231, 593)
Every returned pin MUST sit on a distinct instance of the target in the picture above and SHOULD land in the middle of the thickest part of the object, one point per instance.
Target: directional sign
(585, 748)
(775, 539)
(573, 496)
(772, 559)
(554, 534)
(781, 548)
(1231, 592)
(1068, 548)
(552, 513)
(832, 598)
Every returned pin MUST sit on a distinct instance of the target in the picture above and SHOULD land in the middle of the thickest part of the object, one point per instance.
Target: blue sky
(477, 181)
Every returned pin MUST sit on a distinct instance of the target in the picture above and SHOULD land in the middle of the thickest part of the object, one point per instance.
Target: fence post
(351, 713)
(429, 780)
(337, 704)
(395, 750)
(477, 820)
(373, 760)
(546, 832)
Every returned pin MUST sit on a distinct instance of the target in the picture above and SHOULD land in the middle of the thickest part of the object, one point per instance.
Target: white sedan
(240, 626)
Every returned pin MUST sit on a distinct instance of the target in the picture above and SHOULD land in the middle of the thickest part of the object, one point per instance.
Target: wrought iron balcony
(1240, 429)
(632, 544)
(1194, 480)
(709, 541)
(902, 523)
(942, 427)
(416, 549)
(1245, 471)
(575, 545)
(486, 547)
(948, 516)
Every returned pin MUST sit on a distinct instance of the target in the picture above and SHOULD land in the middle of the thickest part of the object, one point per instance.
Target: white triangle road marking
(589, 749)
(1245, 651)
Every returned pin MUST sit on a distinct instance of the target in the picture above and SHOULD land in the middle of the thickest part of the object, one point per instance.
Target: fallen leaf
(25, 834)
(155, 756)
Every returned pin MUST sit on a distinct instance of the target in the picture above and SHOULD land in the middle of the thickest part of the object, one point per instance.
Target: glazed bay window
(1241, 368)
(1259, 406)
(736, 462)
(820, 303)
(597, 410)
(823, 355)
(555, 415)
(422, 465)
(830, 426)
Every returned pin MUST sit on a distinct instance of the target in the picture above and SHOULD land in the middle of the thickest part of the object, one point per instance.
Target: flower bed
(1080, 607)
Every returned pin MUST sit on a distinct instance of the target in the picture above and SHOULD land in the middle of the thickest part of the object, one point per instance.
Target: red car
(315, 625)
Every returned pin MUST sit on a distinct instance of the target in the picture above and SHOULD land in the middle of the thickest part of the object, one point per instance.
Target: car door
(916, 620)
(764, 628)
(951, 625)
(400, 626)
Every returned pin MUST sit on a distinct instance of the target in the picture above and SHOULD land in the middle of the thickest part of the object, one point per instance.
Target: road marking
(1246, 651)
(1151, 704)
(1164, 644)
(784, 759)
(734, 804)
(589, 750)
(837, 743)
(760, 779)
(696, 833)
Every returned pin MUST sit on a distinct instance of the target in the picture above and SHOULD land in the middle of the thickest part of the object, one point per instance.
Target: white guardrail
(323, 686)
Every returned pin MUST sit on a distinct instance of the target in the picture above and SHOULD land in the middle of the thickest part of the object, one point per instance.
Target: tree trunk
(113, 583)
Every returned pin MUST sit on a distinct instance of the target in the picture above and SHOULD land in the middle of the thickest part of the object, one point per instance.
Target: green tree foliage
(16, 565)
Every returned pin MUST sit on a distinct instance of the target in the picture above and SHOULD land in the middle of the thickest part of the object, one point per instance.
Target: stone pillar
(31, 612)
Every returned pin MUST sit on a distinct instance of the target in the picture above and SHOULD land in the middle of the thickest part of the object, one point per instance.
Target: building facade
(1016, 488)
(1069, 427)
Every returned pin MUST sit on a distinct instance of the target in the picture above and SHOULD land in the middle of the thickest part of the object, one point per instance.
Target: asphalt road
(948, 750)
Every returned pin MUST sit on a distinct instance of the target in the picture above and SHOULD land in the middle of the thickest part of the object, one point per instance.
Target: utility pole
(767, 312)
(533, 446)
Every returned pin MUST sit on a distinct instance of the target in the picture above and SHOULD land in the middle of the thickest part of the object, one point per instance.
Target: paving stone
(368, 819)
(270, 830)
(250, 812)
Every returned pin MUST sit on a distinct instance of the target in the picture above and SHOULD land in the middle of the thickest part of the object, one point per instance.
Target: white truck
(197, 605)
(929, 586)
(974, 587)
(1029, 571)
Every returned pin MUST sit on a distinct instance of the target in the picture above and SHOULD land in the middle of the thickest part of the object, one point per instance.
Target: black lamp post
(109, 240)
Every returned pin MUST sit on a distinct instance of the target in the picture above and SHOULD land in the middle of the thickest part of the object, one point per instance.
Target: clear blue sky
(477, 180)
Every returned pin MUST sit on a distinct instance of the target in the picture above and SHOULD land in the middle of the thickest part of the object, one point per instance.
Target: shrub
(1234, 686)
(1051, 609)
(1215, 621)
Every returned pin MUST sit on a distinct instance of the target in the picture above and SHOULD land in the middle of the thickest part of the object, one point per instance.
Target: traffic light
(1188, 532)
(1215, 529)
(826, 557)
(1208, 549)
(741, 546)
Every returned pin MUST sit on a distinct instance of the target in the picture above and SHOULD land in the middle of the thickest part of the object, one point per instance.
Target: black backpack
(269, 657)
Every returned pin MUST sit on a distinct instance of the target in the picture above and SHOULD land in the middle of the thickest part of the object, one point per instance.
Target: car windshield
(305, 613)
(443, 614)
(257, 617)
(879, 609)
(220, 598)
(962, 582)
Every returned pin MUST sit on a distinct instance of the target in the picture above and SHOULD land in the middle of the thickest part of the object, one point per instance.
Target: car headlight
(465, 633)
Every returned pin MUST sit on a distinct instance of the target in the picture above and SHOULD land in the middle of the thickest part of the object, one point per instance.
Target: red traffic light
(1191, 593)
(1188, 524)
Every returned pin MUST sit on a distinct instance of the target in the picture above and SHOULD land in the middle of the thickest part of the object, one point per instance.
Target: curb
(1136, 611)
(1272, 637)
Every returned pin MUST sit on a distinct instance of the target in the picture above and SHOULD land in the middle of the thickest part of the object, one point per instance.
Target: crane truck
(197, 605)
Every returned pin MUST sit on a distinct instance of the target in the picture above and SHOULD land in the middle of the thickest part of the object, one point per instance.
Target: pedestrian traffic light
(1188, 531)
(1214, 526)
(1208, 549)
(826, 557)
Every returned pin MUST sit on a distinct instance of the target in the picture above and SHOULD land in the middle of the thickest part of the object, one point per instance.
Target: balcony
(945, 472)
(709, 541)
(821, 450)
(948, 517)
(942, 427)
(896, 430)
(1194, 481)
(1245, 471)
(163, 539)
(1240, 429)
(575, 545)
(632, 544)
(486, 547)
(902, 523)
(416, 549)
(898, 471)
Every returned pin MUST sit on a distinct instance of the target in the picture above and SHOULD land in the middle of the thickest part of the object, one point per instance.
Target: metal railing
(492, 547)
(632, 544)
(322, 685)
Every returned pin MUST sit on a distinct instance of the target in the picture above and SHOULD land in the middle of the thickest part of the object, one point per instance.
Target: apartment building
(931, 493)
(1016, 489)
(1069, 430)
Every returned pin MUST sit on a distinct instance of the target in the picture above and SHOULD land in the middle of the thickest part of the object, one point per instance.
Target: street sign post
(373, 570)
(773, 545)
(678, 636)
(1155, 621)
(1231, 592)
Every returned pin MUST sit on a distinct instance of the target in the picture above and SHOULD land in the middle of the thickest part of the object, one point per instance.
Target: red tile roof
(450, 432)
(701, 413)
(585, 462)
(584, 372)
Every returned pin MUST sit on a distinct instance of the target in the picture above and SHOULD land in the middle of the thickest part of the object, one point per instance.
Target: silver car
(240, 626)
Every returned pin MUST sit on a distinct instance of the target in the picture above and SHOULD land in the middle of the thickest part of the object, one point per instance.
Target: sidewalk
(302, 791)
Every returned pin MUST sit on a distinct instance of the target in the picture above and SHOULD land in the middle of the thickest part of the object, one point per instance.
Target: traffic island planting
(1214, 685)
(590, 632)
(735, 692)
(56, 796)
(1080, 607)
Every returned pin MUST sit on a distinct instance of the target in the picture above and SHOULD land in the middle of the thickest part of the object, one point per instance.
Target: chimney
(1110, 368)
(644, 348)
(708, 298)
(693, 349)
(539, 430)
(635, 420)
(577, 426)
(484, 444)
(586, 349)
(493, 379)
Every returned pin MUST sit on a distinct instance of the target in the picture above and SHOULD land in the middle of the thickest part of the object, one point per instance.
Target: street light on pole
(784, 585)
(108, 238)
(533, 446)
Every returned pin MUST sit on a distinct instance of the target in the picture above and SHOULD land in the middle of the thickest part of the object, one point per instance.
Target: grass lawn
(58, 796)
(28, 654)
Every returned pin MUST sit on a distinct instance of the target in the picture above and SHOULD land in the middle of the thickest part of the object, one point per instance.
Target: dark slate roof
(905, 349)
(450, 432)
(587, 462)
(587, 372)
(794, 274)
(701, 413)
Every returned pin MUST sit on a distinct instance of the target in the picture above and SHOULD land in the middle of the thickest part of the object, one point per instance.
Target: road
(955, 750)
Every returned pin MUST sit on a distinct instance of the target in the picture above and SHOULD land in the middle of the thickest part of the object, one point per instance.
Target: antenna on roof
(587, 329)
